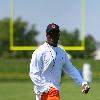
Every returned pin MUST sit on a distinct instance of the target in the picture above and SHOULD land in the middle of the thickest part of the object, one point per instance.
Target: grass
(14, 69)
(14, 65)
(71, 91)
(19, 68)
(24, 91)
(94, 65)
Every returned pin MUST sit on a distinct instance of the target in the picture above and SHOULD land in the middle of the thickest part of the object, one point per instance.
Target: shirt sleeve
(72, 72)
(36, 69)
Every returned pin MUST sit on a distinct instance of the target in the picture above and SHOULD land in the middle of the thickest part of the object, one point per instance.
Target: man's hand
(85, 88)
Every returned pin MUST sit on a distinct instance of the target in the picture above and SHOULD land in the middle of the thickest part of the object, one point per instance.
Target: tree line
(25, 35)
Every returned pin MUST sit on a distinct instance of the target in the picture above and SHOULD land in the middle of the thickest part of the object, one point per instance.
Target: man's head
(52, 34)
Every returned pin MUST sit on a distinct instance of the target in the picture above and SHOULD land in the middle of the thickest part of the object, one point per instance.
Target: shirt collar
(50, 45)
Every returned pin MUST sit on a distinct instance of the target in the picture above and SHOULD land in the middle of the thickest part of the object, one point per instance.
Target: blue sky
(66, 13)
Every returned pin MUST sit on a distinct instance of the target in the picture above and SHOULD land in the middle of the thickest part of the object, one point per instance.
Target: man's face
(53, 37)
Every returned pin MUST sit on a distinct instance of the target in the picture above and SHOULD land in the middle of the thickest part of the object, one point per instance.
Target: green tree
(23, 35)
(90, 46)
(4, 35)
(69, 38)
(73, 39)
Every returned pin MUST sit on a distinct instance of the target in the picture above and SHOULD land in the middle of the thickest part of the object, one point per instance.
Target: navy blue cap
(52, 27)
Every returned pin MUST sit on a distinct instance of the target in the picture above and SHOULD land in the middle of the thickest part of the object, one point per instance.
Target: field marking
(12, 47)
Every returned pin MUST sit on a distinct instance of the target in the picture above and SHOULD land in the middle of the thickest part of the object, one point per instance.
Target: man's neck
(52, 44)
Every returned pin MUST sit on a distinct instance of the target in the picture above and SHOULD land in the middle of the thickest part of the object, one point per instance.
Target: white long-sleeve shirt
(46, 67)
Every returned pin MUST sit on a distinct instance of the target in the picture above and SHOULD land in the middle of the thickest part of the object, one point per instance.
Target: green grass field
(16, 85)
(24, 91)
(15, 69)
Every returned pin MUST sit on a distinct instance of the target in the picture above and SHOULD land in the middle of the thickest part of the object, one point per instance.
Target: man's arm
(72, 72)
(36, 66)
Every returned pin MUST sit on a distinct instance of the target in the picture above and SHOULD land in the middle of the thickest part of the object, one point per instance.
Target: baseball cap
(52, 28)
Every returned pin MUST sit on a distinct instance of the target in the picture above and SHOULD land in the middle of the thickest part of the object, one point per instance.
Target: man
(46, 66)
